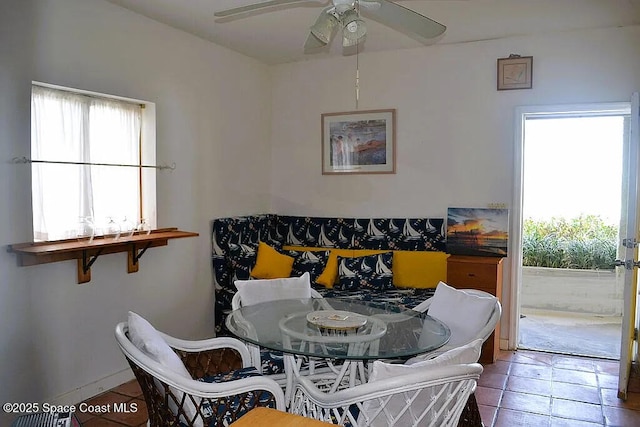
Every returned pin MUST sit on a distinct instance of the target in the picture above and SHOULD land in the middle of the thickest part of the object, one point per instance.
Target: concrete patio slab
(570, 333)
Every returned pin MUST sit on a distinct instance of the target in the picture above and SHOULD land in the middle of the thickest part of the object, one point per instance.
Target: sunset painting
(477, 231)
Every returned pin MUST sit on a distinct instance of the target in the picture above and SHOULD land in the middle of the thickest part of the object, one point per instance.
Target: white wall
(213, 121)
(455, 142)
(15, 305)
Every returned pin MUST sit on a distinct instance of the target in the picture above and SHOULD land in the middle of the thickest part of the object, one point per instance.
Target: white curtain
(71, 127)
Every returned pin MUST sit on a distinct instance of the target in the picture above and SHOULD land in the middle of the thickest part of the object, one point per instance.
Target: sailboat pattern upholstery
(235, 240)
(367, 272)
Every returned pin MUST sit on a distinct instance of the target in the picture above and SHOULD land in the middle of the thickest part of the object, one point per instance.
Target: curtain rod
(22, 160)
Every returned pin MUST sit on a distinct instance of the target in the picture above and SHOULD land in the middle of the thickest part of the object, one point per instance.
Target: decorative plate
(336, 319)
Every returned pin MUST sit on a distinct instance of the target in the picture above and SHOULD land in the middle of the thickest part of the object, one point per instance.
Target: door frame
(521, 114)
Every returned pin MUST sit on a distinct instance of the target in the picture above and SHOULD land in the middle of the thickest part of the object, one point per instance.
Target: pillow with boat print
(312, 262)
(373, 272)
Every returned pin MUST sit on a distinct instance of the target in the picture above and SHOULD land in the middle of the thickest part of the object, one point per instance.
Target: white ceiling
(277, 35)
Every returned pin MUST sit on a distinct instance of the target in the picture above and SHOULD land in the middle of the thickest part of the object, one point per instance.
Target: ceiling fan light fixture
(354, 28)
(349, 42)
(324, 26)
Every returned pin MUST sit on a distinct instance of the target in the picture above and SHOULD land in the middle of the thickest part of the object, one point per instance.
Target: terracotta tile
(103, 403)
(131, 388)
(133, 413)
(562, 408)
(488, 396)
(526, 402)
(565, 422)
(607, 366)
(610, 398)
(529, 385)
(632, 395)
(620, 416)
(83, 416)
(533, 358)
(575, 377)
(574, 363)
(497, 367)
(101, 422)
(608, 381)
(506, 355)
(509, 418)
(634, 385)
(493, 380)
(576, 392)
(488, 414)
(531, 371)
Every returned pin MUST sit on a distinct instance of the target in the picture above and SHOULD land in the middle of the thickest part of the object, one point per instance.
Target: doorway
(572, 167)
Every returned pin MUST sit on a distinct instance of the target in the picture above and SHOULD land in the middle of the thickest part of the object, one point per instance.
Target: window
(75, 138)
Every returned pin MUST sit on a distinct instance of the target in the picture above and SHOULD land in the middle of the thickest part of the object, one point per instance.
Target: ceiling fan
(345, 15)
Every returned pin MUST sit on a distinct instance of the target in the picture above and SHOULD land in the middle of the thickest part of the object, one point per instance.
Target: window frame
(147, 151)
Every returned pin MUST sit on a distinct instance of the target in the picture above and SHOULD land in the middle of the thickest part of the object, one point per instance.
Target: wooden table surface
(272, 417)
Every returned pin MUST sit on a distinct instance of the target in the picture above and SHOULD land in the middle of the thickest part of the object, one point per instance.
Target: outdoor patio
(570, 333)
(576, 312)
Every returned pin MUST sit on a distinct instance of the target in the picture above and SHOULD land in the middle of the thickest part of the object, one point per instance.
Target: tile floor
(528, 388)
(126, 393)
(523, 388)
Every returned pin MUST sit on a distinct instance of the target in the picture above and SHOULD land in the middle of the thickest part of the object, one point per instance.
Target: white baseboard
(93, 389)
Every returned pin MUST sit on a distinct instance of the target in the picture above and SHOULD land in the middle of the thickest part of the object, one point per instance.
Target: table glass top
(338, 328)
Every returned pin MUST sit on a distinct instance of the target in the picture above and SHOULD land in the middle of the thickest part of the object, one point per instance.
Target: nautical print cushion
(226, 410)
(368, 272)
(312, 262)
(240, 265)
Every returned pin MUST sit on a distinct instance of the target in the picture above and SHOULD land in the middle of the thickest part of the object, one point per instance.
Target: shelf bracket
(134, 256)
(84, 266)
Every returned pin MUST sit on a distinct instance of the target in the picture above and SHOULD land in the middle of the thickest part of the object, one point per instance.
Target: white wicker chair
(428, 396)
(254, 350)
(483, 334)
(172, 399)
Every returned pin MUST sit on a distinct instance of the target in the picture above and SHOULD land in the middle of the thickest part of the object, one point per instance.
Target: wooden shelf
(87, 252)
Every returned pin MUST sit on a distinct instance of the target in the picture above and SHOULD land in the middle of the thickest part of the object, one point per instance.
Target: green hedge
(585, 242)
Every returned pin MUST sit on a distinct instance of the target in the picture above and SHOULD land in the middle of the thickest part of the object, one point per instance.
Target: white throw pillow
(469, 353)
(264, 290)
(148, 340)
(465, 314)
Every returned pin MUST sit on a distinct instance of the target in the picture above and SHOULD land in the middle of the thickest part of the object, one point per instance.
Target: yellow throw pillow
(271, 264)
(419, 269)
(366, 252)
(329, 275)
(303, 248)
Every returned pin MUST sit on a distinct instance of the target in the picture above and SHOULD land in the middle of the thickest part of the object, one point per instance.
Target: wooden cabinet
(485, 274)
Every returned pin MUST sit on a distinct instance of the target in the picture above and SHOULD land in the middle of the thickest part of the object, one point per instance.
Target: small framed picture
(359, 142)
(515, 72)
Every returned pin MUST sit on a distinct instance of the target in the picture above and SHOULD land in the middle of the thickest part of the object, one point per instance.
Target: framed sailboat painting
(477, 231)
(359, 142)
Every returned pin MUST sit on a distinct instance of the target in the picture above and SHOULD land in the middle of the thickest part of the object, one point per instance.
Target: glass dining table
(334, 338)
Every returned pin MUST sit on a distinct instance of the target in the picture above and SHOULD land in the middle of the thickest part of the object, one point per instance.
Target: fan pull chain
(357, 8)
(357, 67)
(357, 87)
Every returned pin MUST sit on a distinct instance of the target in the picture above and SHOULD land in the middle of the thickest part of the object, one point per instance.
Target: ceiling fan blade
(256, 6)
(405, 20)
(313, 44)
